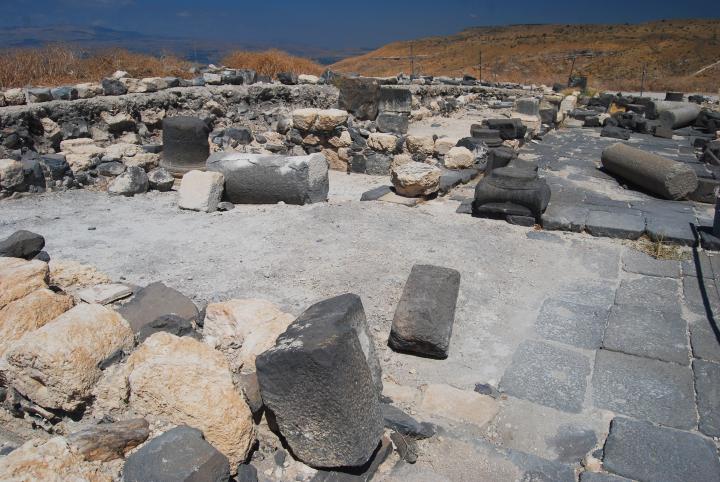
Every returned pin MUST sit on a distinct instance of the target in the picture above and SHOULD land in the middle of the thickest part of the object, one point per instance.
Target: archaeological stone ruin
(346, 278)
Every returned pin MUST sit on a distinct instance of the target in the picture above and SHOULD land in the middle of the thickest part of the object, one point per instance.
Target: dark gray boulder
(160, 179)
(393, 122)
(22, 244)
(511, 191)
(318, 383)
(240, 135)
(56, 164)
(154, 301)
(180, 454)
(287, 78)
(185, 144)
(615, 132)
(133, 181)
(113, 87)
(173, 324)
(39, 95)
(111, 169)
(64, 93)
(425, 314)
(401, 422)
(269, 179)
(395, 99)
(507, 128)
(359, 95)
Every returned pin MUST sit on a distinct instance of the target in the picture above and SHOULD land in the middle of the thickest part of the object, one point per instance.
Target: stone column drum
(185, 145)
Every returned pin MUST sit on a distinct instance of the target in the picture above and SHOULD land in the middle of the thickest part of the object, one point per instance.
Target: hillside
(611, 55)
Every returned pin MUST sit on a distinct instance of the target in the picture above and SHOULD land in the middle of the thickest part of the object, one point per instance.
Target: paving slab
(601, 477)
(651, 292)
(653, 390)
(614, 224)
(642, 451)
(547, 374)
(671, 229)
(635, 261)
(572, 323)
(689, 266)
(640, 331)
(565, 217)
(595, 292)
(694, 289)
(707, 386)
(703, 339)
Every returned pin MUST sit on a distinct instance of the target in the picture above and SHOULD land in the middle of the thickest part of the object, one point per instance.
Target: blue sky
(333, 24)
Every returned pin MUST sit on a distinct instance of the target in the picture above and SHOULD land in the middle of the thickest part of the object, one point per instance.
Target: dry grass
(271, 62)
(612, 56)
(660, 250)
(60, 64)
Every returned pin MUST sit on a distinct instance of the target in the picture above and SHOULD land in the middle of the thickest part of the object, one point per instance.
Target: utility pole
(412, 59)
(642, 81)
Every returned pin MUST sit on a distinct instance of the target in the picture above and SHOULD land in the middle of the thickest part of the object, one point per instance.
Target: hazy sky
(333, 24)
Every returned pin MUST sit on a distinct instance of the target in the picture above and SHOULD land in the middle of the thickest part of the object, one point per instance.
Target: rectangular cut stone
(644, 332)
(425, 314)
(643, 451)
(638, 262)
(707, 385)
(671, 229)
(705, 344)
(654, 293)
(565, 217)
(653, 390)
(318, 382)
(701, 295)
(572, 323)
(104, 294)
(548, 375)
(615, 224)
(395, 99)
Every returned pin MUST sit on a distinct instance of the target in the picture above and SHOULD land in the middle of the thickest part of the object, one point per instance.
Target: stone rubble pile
(118, 382)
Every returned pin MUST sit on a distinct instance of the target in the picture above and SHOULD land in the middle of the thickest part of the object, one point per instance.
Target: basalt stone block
(22, 244)
(393, 122)
(395, 99)
(180, 454)
(113, 87)
(491, 137)
(615, 133)
(527, 106)
(39, 95)
(241, 135)
(287, 78)
(508, 128)
(111, 169)
(511, 191)
(401, 422)
(499, 157)
(425, 314)
(64, 93)
(154, 301)
(674, 96)
(185, 144)
(474, 144)
(359, 95)
(56, 164)
(173, 324)
(269, 179)
(319, 385)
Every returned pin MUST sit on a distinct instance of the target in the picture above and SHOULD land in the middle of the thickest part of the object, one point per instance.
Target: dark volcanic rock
(22, 244)
(185, 144)
(399, 421)
(318, 383)
(359, 95)
(180, 454)
(113, 87)
(287, 78)
(160, 179)
(111, 169)
(425, 314)
(173, 324)
(155, 301)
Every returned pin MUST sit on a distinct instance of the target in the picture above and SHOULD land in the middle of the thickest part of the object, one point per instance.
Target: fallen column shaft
(666, 178)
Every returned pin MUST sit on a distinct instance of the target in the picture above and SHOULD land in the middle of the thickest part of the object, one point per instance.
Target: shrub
(271, 62)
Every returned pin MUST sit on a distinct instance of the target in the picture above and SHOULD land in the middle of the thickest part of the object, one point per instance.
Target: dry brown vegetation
(271, 62)
(612, 56)
(60, 64)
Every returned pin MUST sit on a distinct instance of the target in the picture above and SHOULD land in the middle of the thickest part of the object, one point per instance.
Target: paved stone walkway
(586, 198)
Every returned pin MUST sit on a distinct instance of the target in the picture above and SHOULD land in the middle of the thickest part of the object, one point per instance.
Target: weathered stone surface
(359, 96)
(180, 454)
(638, 262)
(642, 451)
(546, 374)
(81, 154)
(243, 329)
(184, 381)
(111, 168)
(399, 421)
(160, 179)
(511, 191)
(29, 313)
(201, 191)
(444, 144)
(104, 294)
(11, 174)
(329, 119)
(624, 225)
(382, 142)
(340, 424)
(630, 385)
(22, 244)
(304, 119)
(49, 461)
(707, 386)
(71, 275)
(109, 441)
(173, 324)
(572, 323)
(19, 277)
(425, 314)
(261, 179)
(458, 405)
(654, 293)
(459, 158)
(57, 365)
(420, 145)
(132, 181)
(393, 122)
(414, 179)
(154, 301)
(185, 144)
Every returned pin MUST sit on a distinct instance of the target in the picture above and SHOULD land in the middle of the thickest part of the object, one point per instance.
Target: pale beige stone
(11, 173)
(184, 381)
(116, 121)
(344, 154)
(29, 313)
(308, 79)
(343, 140)
(81, 154)
(116, 152)
(459, 158)
(51, 461)
(311, 140)
(399, 160)
(303, 119)
(214, 107)
(146, 160)
(420, 145)
(416, 179)
(57, 365)
(379, 141)
(462, 406)
(15, 97)
(242, 329)
(201, 191)
(334, 160)
(88, 90)
(156, 83)
(19, 277)
(137, 86)
(444, 144)
(51, 130)
(329, 119)
(152, 117)
(71, 275)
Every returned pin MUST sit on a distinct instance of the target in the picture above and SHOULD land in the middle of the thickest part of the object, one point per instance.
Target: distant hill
(611, 55)
(201, 51)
